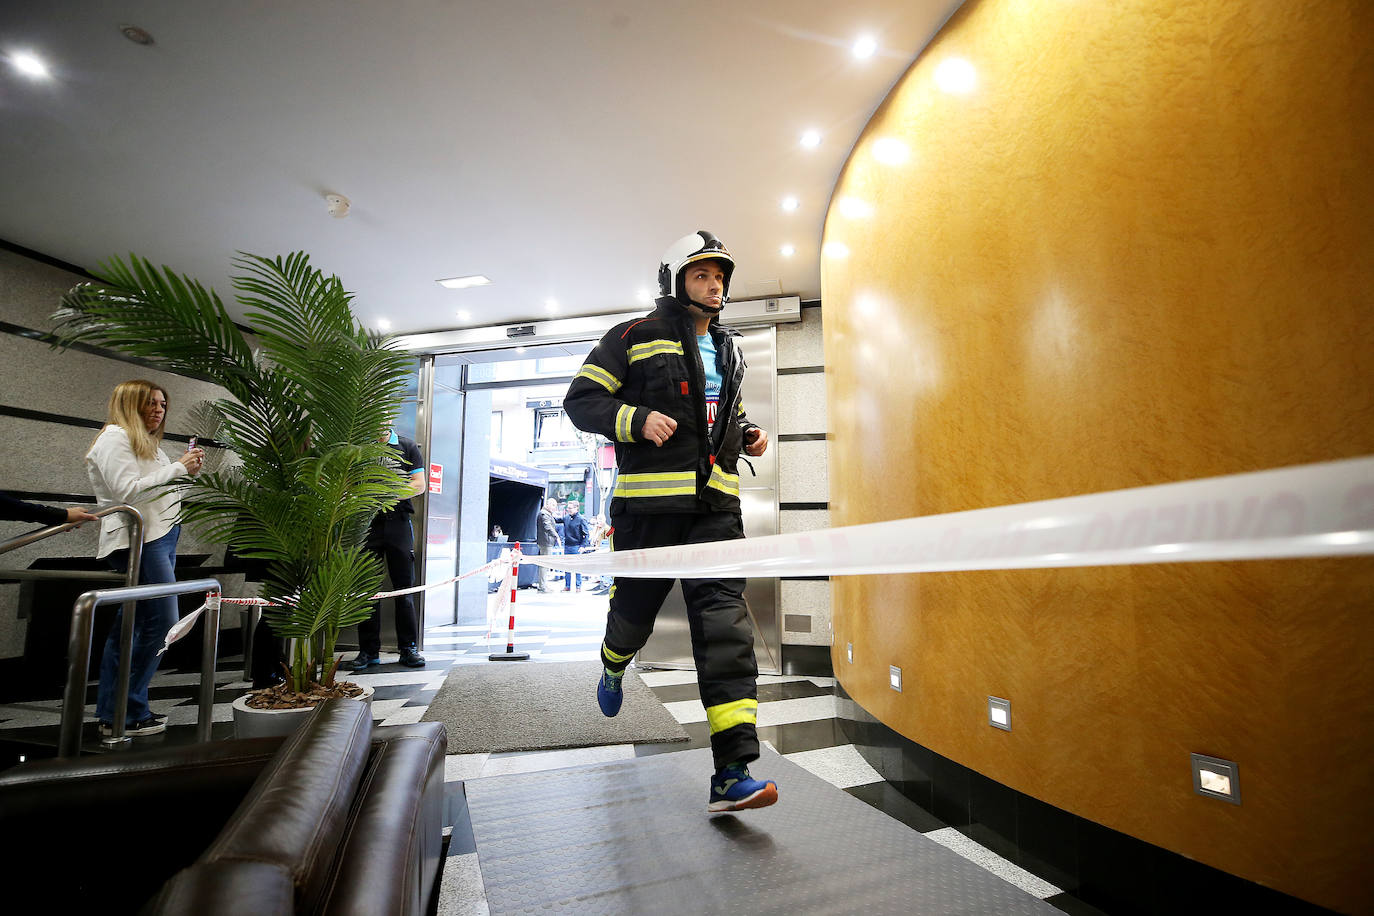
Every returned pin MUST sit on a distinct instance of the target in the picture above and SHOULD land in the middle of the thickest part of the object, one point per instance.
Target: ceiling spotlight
(519, 349)
(811, 139)
(30, 65)
(551, 305)
(790, 204)
(864, 47)
(787, 251)
(464, 282)
(384, 324)
(136, 35)
(464, 315)
(645, 297)
(956, 76)
(890, 151)
(337, 205)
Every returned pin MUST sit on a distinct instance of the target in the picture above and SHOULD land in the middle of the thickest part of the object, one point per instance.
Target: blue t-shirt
(707, 346)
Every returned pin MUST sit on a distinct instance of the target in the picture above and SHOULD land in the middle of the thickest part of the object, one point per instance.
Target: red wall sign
(436, 478)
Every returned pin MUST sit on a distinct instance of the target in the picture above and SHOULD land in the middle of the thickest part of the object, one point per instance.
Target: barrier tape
(183, 626)
(1311, 510)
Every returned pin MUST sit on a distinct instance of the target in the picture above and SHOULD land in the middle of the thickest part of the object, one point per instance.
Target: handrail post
(80, 651)
(126, 634)
(78, 663)
(209, 649)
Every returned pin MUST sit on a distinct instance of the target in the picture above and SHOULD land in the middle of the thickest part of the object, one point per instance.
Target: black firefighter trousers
(722, 638)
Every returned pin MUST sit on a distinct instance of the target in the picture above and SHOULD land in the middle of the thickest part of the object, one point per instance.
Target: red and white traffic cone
(510, 655)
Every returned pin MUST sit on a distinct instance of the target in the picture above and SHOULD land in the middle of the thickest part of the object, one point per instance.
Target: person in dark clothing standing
(666, 389)
(575, 534)
(392, 538)
(547, 538)
(13, 509)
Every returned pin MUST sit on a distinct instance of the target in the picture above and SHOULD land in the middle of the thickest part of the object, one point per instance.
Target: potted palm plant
(308, 397)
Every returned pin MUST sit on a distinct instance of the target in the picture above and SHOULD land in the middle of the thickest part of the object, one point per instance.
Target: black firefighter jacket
(652, 363)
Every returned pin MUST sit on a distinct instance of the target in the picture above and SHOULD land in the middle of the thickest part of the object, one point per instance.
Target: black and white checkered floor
(797, 717)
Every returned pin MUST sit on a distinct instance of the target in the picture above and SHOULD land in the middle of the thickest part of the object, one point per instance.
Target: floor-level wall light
(1216, 778)
(999, 713)
(894, 677)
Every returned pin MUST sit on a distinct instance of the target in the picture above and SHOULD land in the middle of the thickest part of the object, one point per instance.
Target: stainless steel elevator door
(671, 644)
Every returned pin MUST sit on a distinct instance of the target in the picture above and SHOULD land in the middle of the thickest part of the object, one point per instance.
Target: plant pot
(265, 723)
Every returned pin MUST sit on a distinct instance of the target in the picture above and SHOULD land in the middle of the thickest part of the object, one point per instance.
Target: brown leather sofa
(338, 818)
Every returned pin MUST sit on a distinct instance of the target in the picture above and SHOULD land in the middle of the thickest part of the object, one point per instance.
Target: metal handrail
(77, 675)
(79, 649)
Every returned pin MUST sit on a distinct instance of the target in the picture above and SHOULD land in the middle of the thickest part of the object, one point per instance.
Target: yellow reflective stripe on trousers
(653, 348)
(726, 483)
(665, 483)
(728, 715)
(615, 656)
(600, 376)
(624, 421)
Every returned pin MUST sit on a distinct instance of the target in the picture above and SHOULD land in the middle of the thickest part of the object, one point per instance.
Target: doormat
(533, 706)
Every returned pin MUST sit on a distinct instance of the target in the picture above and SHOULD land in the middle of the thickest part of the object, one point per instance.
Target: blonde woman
(126, 464)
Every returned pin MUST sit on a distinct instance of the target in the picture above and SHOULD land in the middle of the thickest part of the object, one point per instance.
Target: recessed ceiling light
(855, 208)
(519, 349)
(30, 64)
(957, 76)
(644, 296)
(787, 251)
(464, 282)
(890, 151)
(811, 139)
(864, 47)
(551, 305)
(136, 35)
(790, 203)
(464, 315)
(384, 324)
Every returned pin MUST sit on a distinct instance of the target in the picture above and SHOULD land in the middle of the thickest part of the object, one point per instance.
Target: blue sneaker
(608, 694)
(733, 789)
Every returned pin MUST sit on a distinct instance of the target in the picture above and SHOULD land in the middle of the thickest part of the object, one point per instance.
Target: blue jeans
(152, 619)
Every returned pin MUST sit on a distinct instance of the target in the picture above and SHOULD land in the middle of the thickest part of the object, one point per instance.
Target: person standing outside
(666, 390)
(126, 464)
(547, 538)
(392, 538)
(576, 533)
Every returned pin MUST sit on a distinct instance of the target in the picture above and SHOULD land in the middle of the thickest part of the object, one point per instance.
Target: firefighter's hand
(756, 441)
(659, 427)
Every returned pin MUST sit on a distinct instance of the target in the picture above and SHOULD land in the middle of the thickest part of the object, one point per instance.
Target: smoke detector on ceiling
(338, 205)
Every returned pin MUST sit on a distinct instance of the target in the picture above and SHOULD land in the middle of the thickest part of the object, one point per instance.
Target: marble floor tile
(406, 715)
(534, 761)
(840, 766)
(462, 767)
(461, 892)
(981, 855)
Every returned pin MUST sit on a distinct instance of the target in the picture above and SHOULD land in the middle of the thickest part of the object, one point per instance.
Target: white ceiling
(556, 147)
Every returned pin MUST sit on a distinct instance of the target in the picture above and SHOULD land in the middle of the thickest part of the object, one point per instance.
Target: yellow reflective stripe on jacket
(728, 715)
(600, 376)
(653, 348)
(726, 483)
(624, 420)
(663, 483)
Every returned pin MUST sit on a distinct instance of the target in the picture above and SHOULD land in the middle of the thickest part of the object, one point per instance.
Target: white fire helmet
(699, 246)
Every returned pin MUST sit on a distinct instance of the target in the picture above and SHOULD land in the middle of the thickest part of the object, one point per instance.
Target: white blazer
(119, 476)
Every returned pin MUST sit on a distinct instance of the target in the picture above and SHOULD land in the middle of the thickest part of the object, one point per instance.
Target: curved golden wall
(1140, 251)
